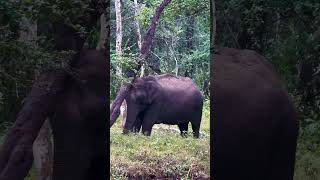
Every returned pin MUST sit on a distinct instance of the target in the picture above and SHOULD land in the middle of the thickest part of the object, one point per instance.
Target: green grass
(165, 154)
(308, 153)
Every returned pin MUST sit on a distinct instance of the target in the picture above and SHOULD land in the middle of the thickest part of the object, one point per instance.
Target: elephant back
(178, 83)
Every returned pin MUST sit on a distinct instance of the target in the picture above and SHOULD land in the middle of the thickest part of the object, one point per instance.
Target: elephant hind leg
(146, 129)
(183, 129)
(196, 129)
(196, 125)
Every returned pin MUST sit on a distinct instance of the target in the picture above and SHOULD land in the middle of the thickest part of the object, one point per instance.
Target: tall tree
(213, 27)
(189, 43)
(42, 146)
(137, 26)
(103, 32)
(117, 5)
(136, 22)
(147, 40)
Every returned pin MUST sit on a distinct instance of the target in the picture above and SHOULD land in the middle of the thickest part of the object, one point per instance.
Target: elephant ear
(152, 91)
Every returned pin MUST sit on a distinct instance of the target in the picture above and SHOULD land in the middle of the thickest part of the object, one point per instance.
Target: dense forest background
(288, 34)
(180, 45)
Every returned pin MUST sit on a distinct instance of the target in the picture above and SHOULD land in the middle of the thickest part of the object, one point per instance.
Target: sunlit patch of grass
(165, 154)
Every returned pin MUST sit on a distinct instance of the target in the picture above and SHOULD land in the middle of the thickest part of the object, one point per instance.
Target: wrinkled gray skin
(166, 99)
(255, 125)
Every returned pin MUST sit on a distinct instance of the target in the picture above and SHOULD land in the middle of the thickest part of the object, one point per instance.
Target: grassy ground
(166, 155)
(308, 153)
(163, 155)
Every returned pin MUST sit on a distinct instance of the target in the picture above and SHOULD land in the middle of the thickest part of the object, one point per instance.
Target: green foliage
(170, 50)
(308, 152)
(309, 140)
(144, 16)
(20, 59)
(165, 154)
(126, 61)
(10, 17)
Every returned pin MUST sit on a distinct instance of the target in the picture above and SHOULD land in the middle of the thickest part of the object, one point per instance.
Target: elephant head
(139, 94)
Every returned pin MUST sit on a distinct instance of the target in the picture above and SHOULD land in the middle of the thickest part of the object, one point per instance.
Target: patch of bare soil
(162, 168)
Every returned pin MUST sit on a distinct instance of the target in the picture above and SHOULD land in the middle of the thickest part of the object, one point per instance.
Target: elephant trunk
(115, 107)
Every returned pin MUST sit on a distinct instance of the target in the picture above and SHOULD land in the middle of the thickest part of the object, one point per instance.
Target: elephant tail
(115, 107)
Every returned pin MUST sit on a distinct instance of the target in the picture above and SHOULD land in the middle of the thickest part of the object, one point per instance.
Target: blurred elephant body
(77, 127)
(78, 124)
(166, 99)
(255, 124)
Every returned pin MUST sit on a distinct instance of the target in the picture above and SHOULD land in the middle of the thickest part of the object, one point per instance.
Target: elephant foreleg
(137, 125)
(149, 119)
(147, 128)
(183, 129)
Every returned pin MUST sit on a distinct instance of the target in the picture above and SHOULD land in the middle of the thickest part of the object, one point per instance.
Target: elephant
(254, 122)
(74, 101)
(166, 99)
(79, 121)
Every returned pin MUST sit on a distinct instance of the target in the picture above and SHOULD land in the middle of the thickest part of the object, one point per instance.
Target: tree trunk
(136, 22)
(117, 6)
(189, 37)
(147, 39)
(42, 146)
(123, 113)
(316, 35)
(43, 152)
(137, 26)
(190, 32)
(28, 33)
(213, 28)
(103, 32)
